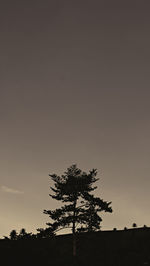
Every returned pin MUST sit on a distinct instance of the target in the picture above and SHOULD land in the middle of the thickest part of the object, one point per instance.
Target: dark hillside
(105, 248)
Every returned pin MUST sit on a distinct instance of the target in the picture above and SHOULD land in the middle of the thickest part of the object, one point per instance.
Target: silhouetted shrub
(134, 225)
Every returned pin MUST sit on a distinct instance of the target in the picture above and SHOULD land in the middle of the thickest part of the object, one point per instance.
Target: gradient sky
(74, 88)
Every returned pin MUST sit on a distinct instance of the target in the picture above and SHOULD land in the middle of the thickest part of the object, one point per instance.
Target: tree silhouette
(45, 233)
(75, 187)
(24, 235)
(134, 225)
(13, 235)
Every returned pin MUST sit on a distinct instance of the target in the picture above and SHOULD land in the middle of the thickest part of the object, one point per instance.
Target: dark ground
(104, 248)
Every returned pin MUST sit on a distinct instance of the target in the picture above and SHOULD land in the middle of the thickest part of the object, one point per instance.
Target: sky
(74, 88)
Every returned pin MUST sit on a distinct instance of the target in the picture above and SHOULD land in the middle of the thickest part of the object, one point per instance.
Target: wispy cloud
(11, 190)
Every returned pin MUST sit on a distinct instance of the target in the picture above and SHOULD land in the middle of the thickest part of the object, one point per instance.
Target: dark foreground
(105, 248)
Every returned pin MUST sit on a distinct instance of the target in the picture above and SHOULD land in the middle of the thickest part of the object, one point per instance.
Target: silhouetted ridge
(105, 248)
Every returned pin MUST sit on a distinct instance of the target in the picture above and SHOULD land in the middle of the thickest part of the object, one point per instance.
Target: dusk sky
(74, 88)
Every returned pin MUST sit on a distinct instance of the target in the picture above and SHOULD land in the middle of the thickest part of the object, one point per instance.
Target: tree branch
(62, 228)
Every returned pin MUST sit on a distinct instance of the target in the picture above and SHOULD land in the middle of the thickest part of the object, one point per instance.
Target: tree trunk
(74, 245)
(74, 230)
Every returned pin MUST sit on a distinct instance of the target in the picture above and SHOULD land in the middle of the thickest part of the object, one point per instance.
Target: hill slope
(104, 248)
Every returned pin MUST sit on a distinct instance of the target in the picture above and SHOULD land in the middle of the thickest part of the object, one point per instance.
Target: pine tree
(75, 187)
(24, 235)
(45, 233)
(13, 235)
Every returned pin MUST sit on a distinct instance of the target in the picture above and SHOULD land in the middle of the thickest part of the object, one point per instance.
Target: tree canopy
(75, 187)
